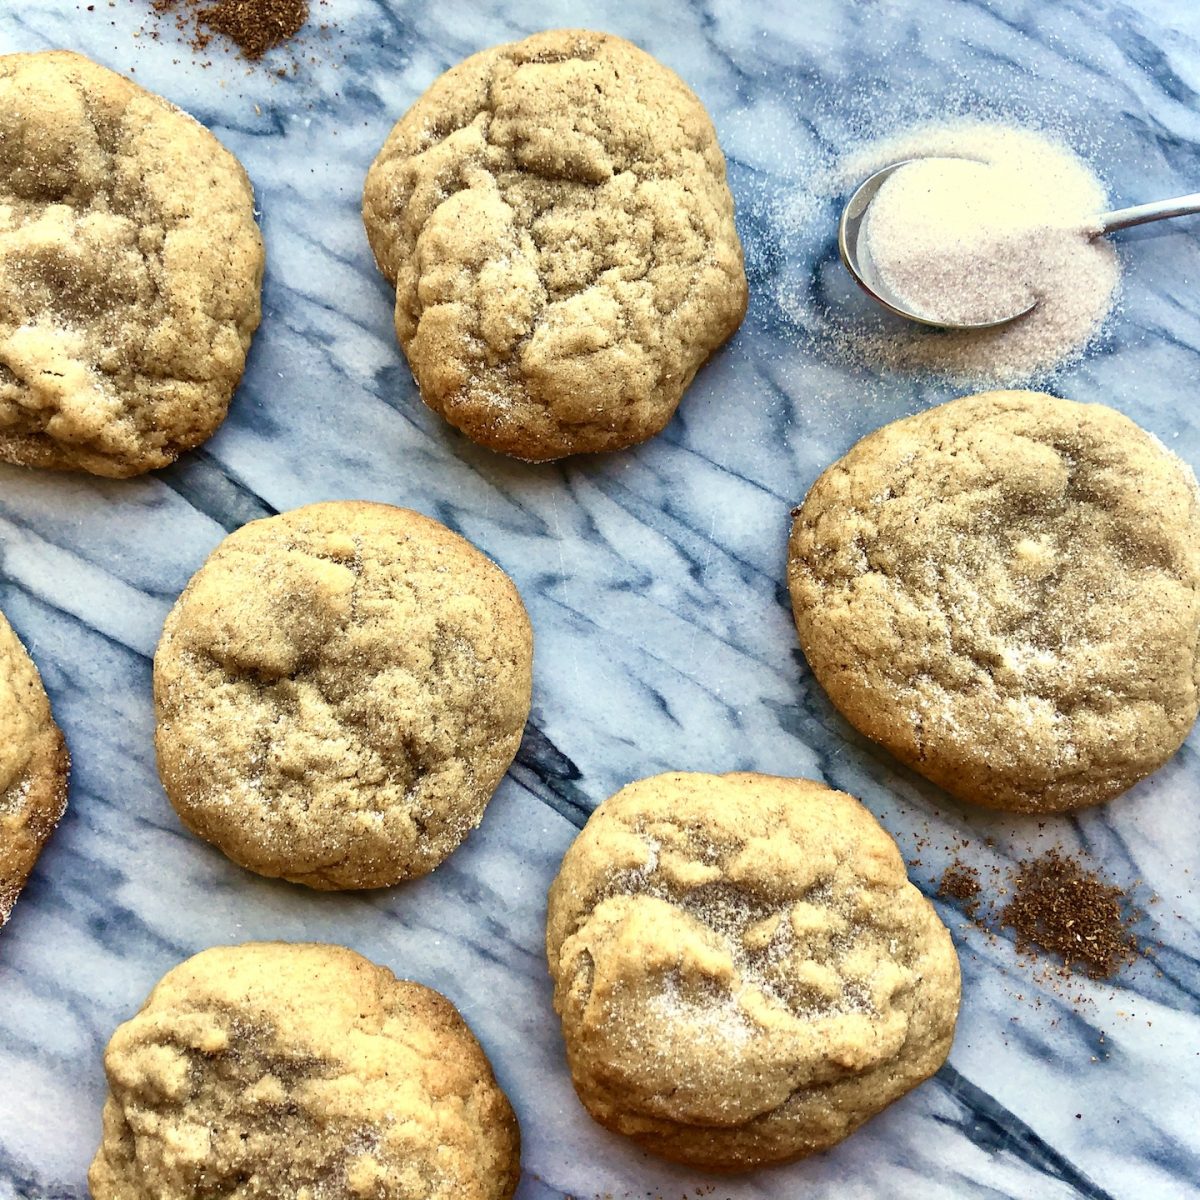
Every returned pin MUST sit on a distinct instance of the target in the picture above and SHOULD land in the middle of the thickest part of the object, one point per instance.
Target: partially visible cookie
(555, 218)
(339, 690)
(300, 1072)
(130, 270)
(743, 971)
(33, 768)
(1005, 592)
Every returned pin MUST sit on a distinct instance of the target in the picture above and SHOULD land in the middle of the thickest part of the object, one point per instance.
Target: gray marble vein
(654, 580)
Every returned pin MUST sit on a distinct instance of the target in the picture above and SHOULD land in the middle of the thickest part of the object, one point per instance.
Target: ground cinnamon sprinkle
(960, 882)
(1067, 919)
(1060, 908)
(254, 26)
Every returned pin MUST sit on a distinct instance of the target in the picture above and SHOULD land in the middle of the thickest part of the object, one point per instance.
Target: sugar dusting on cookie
(294, 1065)
(1028, 551)
(112, 203)
(339, 690)
(775, 938)
(720, 1020)
(33, 767)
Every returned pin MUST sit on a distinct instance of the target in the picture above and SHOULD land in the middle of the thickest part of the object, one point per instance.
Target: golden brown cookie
(555, 218)
(33, 768)
(130, 270)
(300, 1072)
(743, 971)
(339, 691)
(1005, 592)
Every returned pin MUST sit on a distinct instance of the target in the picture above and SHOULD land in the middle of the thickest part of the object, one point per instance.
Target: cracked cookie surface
(300, 1072)
(339, 690)
(555, 218)
(33, 768)
(1005, 592)
(130, 271)
(743, 971)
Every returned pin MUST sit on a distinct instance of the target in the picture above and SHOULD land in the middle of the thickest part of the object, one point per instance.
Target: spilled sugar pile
(970, 240)
(951, 238)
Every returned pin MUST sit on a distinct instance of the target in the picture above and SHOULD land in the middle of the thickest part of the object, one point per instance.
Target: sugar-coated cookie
(1005, 592)
(300, 1072)
(33, 768)
(130, 270)
(743, 971)
(554, 216)
(339, 690)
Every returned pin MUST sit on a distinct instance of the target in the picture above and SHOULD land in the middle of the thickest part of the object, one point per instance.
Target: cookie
(33, 768)
(130, 271)
(555, 219)
(339, 690)
(743, 971)
(300, 1072)
(1005, 592)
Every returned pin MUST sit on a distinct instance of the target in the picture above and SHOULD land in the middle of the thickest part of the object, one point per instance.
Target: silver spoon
(858, 262)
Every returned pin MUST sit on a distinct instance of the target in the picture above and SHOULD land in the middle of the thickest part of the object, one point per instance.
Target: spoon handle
(1139, 214)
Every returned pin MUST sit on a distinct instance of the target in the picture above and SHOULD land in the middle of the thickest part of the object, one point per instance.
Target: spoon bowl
(857, 259)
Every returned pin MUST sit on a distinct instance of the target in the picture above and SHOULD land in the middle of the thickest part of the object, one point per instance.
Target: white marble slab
(654, 579)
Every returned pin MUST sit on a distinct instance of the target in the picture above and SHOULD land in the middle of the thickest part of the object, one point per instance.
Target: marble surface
(654, 580)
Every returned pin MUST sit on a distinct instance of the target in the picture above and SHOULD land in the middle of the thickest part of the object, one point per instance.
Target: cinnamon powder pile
(1057, 908)
(960, 882)
(254, 26)
(1062, 909)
